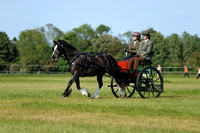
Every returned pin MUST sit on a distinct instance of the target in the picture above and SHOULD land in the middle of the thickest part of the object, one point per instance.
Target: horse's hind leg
(83, 91)
(121, 86)
(67, 92)
(100, 84)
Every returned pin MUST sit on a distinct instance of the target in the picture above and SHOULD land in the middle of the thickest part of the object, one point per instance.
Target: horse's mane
(67, 44)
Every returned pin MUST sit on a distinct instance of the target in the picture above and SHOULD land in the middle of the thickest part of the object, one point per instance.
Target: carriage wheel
(149, 83)
(130, 89)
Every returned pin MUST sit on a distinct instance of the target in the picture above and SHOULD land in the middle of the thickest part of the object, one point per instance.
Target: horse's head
(57, 50)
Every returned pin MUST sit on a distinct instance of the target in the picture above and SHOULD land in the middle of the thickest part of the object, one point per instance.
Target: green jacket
(133, 48)
(145, 49)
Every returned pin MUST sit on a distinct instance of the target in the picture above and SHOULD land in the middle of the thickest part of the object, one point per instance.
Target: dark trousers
(198, 76)
(186, 74)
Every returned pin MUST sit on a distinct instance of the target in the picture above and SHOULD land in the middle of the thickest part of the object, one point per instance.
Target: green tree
(109, 45)
(176, 50)
(33, 48)
(85, 31)
(62, 65)
(4, 48)
(160, 48)
(189, 44)
(128, 37)
(71, 38)
(83, 36)
(74, 39)
(13, 51)
(52, 33)
(102, 29)
(194, 59)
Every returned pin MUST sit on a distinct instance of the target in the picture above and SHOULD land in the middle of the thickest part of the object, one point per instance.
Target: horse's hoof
(63, 96)
(123, 96)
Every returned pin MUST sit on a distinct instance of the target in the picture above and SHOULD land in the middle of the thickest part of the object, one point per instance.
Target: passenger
(144, 51)
(133, 46)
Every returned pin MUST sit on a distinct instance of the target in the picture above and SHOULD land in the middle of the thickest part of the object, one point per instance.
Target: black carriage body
(147, 81)
(129, 77)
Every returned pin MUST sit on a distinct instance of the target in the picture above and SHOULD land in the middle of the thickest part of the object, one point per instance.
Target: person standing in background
(159, 69)
(198, 73)
(186, 71)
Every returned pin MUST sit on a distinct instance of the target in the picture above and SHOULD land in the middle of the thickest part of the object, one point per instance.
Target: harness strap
(78, 64)
(89, 64)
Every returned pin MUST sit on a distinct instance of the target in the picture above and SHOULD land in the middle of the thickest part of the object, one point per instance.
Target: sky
(165, 16)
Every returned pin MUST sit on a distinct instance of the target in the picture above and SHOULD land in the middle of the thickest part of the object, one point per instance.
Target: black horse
(82, 64)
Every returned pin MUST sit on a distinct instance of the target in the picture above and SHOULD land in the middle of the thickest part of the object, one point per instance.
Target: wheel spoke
(143, 78)
(155, 80)
(114, 85)
(155, 86)
(128, 90)
(144, 93)
(154, 74)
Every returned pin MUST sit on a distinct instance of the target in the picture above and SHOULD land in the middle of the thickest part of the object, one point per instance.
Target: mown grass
(32, 103)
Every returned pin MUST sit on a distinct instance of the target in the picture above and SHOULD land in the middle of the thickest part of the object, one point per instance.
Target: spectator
(198, 73)
(159, 69)
(186, 71)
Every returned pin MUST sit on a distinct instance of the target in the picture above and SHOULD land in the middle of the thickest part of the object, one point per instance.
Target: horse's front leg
(83, 91)
(67, 91)
(100, 84)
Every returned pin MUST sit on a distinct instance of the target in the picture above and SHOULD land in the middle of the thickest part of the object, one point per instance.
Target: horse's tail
(112, 66)
(114, 71)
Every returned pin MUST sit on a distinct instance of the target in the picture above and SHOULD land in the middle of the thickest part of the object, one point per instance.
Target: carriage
(147, 80)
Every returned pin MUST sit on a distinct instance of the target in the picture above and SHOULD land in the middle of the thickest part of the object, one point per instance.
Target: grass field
(33, 104)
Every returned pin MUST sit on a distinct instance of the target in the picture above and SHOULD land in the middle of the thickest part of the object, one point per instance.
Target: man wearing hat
(144, 51)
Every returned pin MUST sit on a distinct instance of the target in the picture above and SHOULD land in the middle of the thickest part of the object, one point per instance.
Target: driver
(144, 51)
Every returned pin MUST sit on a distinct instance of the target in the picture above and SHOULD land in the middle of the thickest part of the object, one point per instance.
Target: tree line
(34, 47)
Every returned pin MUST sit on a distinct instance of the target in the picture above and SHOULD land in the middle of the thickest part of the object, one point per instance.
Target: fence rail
(47, 69)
